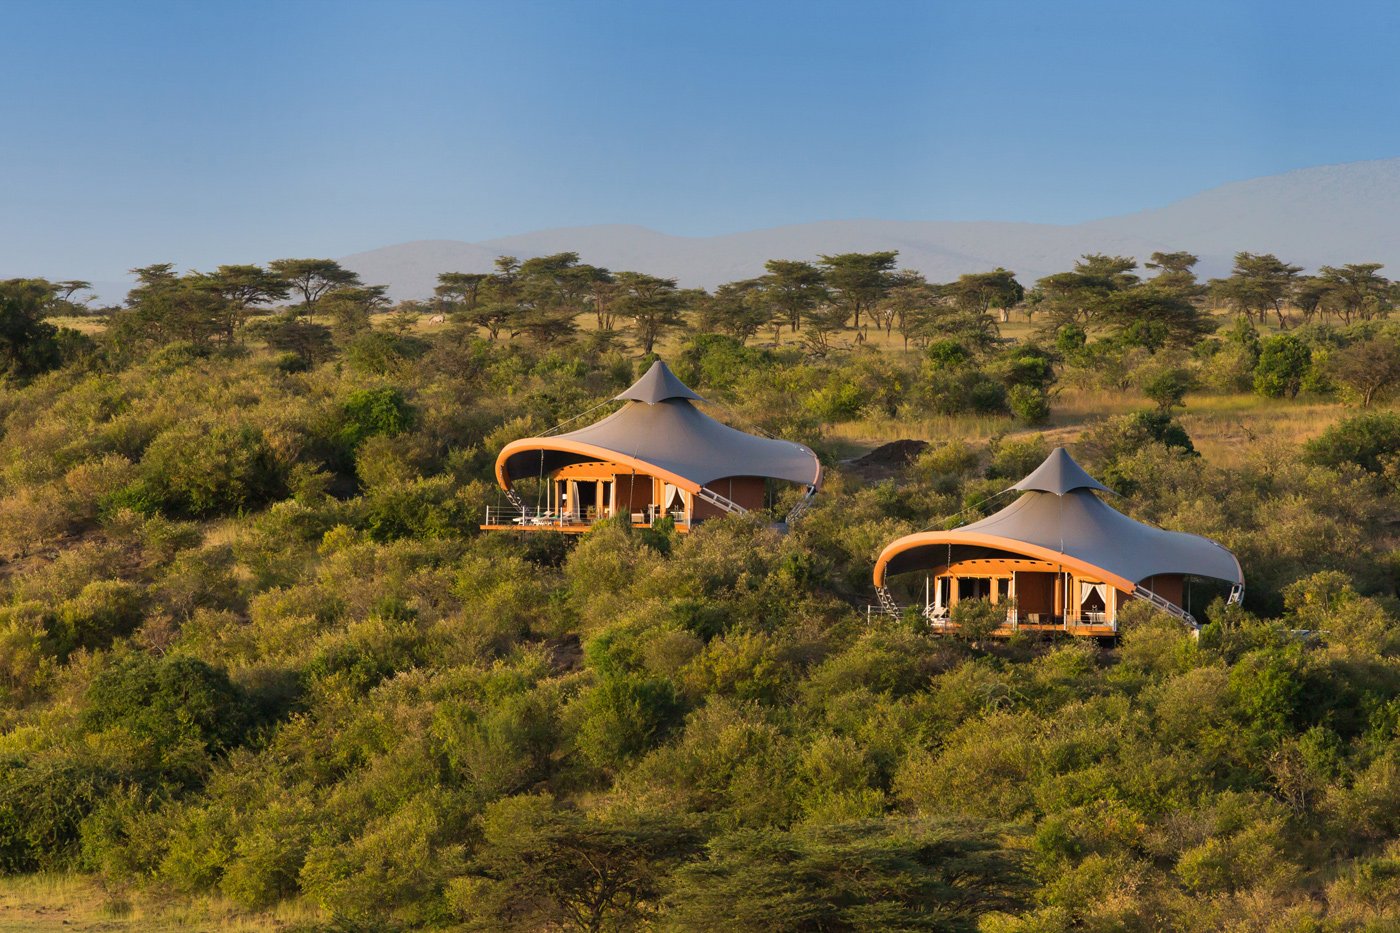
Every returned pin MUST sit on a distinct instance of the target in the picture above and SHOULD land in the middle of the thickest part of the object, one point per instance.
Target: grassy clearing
(1223, 427)
(86, 324)
(60, 902)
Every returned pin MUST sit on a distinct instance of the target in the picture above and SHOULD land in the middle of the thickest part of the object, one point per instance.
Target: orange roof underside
(591, 451)
(979, 539)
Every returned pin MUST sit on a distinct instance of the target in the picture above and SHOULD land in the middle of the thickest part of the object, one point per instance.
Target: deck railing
(939, 620)
(526, 517)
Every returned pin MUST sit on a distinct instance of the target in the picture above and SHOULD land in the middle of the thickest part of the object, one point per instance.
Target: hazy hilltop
(1325, 215)
(1315, 216)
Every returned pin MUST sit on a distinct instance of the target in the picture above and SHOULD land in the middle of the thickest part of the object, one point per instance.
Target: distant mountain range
(1316, 216)
(1327, 215)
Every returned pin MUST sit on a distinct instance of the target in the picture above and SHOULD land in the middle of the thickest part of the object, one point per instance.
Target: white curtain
(1086, 588)
(672, 497)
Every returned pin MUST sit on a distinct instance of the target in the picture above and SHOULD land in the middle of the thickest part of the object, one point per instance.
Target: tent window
(1093, 597)
(974, 588)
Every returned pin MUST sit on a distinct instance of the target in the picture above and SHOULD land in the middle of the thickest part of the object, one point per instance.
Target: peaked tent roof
(659, 384)
(1059, 474)
(659, 432)
(1073, 528)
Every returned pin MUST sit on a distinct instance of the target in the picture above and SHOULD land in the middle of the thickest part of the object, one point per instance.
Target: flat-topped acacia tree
(313, 278)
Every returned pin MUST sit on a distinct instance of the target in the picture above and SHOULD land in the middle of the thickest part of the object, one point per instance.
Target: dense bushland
(252, 642)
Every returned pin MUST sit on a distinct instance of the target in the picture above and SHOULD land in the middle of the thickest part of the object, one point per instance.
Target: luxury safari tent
(1059, 558)
(656, 456)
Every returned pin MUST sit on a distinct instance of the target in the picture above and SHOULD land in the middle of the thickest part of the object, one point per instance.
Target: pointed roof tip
(658, 384)
(1059, 474)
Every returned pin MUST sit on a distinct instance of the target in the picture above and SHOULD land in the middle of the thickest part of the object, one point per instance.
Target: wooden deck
(517, 518)
(568, 528)
(1081, 629)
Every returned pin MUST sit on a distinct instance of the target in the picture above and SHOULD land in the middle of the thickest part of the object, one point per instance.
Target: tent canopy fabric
(1059, 474)
(1073, 528)
(657, 385)
(659, 432)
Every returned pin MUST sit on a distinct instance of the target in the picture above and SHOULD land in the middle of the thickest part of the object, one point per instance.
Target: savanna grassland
(259, 669)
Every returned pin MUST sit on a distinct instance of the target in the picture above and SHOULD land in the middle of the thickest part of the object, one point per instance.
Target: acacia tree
(897, 874)
(553, 291)
(539, 866)
(62, 303)
(1355, 290)
(352, 307)
(243, 287)
(165, 306)
(1259, 284)
(651, 304)
(739, 309)
(1175, 271)
(858, 280)
(885, 312)
(312, 278)
(1153, 316)
(1370, 368)
(460, 291)
(28, 344)
(1081, 296)
(983, 291)
(792, 288)
(491, 301)
(1310, 295)
(915, 306)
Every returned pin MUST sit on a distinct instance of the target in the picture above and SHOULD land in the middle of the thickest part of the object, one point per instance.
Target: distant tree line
(1101, 316)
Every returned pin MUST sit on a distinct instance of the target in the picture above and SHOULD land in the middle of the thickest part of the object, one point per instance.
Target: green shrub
(1014, 458)
(102, 611)
(394, 869)
(977, 619)
(1283, 363)
(370, 412)
(1368, 441)
(1168, 387)
(199, 471)
(621, 717)
(838, 400)
(380, 353)
(42, 806)
(424, 508)
(1029, 404)
(181, 707)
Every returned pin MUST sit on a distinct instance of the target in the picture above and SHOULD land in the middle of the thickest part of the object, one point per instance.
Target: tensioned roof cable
(970, 508)
(590, 411)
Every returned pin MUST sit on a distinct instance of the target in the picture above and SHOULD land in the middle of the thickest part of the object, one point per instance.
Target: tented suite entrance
(1057, 558)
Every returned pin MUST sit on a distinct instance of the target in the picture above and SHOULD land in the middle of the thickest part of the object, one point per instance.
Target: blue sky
(200, 132)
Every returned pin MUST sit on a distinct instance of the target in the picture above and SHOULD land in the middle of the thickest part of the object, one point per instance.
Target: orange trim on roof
(978, 539)
(588, 450)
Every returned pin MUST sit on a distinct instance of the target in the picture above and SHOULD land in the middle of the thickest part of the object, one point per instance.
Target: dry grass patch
(48, 903)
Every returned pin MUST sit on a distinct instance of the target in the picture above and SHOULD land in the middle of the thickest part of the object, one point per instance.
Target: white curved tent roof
(661, 432)
(1073, 526)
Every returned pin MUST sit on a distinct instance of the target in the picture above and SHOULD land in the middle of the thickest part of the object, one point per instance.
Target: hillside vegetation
(259, 668)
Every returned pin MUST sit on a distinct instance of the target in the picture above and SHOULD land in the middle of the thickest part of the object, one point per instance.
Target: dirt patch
(565, 654)
(885, 461)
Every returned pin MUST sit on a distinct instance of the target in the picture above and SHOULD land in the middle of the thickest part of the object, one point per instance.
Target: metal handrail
(718, 501)
(1170, 608)
(525, 516)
